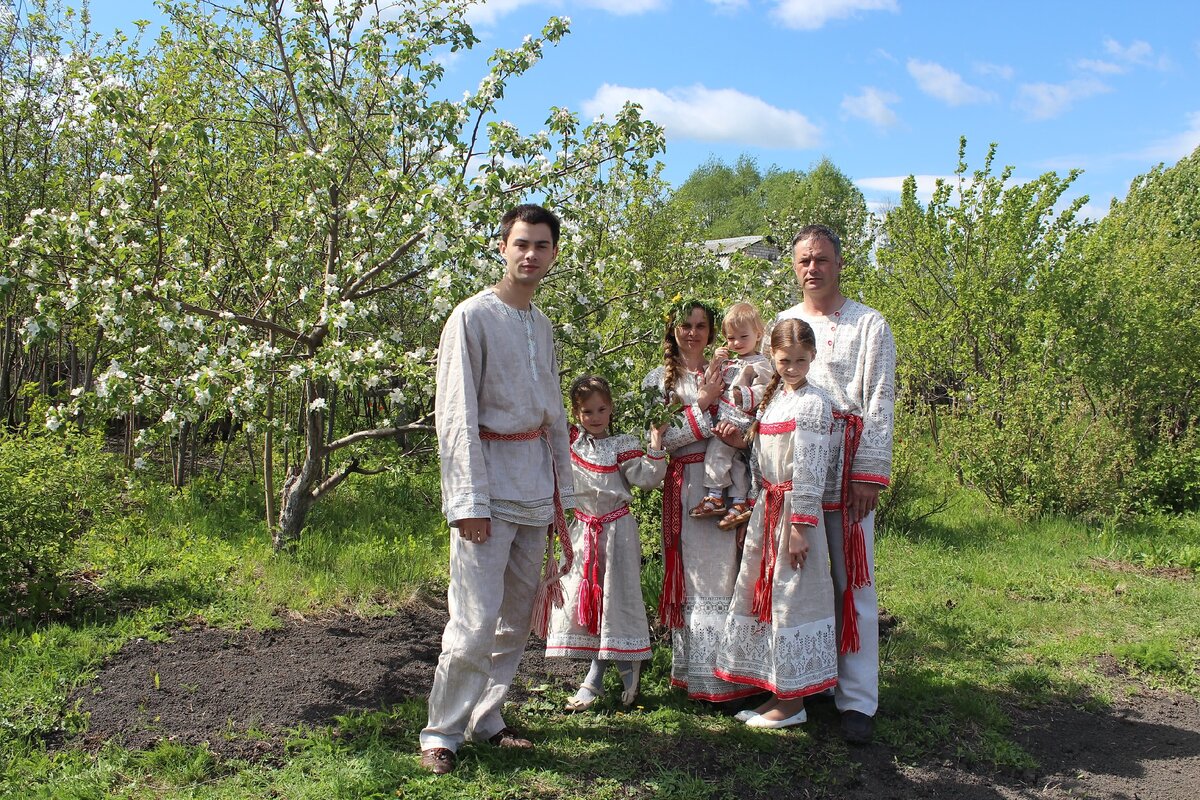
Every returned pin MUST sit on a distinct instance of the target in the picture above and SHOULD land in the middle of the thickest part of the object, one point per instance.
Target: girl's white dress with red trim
(786, 643)
(604, 470)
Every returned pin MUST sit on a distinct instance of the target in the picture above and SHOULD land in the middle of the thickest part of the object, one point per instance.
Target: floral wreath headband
(680, 307)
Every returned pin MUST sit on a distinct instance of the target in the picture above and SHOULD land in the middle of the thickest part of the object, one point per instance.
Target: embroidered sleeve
(873, 464)
(812, 450)
(642, 469)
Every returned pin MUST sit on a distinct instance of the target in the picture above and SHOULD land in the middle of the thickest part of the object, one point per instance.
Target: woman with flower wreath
(700, 559)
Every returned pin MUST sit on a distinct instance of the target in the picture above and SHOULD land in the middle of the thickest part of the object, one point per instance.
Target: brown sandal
(738, 513)
(708, 507)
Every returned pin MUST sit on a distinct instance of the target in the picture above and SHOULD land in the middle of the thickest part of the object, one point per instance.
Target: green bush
(51, 490)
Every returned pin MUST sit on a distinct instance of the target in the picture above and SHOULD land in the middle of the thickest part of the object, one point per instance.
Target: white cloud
(809, 15)
(1046, 100)
(711, 115)
(1003, 71)
(873, 106)
(487, 13)
(1173, 148)
(886, 190)
(1102, 67)
(946, 85)
(728, 5)
(1138, 51)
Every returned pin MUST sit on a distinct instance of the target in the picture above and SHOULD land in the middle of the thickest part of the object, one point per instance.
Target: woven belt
(590, 605)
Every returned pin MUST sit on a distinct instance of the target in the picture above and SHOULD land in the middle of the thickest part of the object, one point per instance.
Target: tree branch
(352, 291)
(375, 433)
(249, 322)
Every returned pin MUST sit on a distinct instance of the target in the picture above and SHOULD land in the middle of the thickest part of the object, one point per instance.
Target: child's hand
(721, 354)
(797, 545)
(656, 436)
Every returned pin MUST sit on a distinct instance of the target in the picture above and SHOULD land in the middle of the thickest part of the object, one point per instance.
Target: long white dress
(784, 640)
(605, 469)
(707, 556)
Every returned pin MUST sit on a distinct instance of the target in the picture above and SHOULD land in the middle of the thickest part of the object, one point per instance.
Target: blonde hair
(787, 333)
(744, 315)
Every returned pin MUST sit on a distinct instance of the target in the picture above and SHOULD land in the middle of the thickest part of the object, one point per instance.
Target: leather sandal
(630, 694)
(738, 513)
(438, 760)
(708, 507)
(509, 738)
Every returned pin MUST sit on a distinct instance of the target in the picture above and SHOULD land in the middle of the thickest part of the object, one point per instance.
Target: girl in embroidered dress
(780, 633)
(604, 618)
(700, 560)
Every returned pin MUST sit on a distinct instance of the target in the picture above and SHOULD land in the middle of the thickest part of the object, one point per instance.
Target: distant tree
(725, 201)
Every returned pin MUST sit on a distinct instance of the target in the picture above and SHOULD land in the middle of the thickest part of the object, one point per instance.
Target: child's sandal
(738, 513)
(708, 507)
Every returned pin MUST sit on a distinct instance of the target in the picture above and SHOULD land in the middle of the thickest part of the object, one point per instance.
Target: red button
(830, 343)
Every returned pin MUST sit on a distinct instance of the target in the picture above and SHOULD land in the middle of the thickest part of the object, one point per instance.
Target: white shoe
(759, 721)
(583, 699)
(745, 716)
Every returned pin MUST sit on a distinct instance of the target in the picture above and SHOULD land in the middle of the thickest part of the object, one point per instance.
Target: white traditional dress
(855, 365)
(723, 465)
(604, 616)
(505, 456)
(700, 560)
(780, 634)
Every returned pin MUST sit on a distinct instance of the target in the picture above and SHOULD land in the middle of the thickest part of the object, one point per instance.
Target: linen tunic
(709, 556)
(605, 469)
(855, 364)
(794, 653)
(497, 372)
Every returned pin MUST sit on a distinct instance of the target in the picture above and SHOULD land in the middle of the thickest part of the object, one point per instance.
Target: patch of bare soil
(1170, 573)
(213, 686)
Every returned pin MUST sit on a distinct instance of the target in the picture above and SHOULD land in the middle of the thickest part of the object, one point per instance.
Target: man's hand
(797, 545)
(475, 529)
(862, 500)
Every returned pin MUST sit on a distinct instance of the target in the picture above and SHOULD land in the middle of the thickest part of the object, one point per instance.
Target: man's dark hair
(530, 214)
(818, 232)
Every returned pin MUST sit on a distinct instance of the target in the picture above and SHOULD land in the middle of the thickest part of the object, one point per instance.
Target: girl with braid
(780, 633)
(604, 618)
(700, 559)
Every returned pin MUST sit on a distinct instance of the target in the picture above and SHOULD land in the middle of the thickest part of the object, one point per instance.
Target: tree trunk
(299, 490)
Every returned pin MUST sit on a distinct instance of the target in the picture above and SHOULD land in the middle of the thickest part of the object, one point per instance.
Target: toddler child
(745, 372)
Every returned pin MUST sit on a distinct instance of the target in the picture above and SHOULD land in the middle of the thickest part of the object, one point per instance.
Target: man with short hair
(506, 479)
(855, 364)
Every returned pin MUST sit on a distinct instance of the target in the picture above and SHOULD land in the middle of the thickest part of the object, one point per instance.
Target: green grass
(991, 614)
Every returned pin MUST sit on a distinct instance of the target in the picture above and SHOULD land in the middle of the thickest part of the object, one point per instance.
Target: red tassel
(857, 573)
(598, 606)
(849, 642)
(583, 609)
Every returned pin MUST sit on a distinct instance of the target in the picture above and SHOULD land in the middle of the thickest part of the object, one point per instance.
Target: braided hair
(672, 365)
(787, 333)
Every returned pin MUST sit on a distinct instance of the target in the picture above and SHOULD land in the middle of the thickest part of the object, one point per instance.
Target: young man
(506, 478)
(855, 364)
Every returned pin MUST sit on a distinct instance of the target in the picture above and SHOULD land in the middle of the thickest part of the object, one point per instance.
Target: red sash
(766, 570)
(670, 602)
(590, 605)
(854, 546)
(549, 591)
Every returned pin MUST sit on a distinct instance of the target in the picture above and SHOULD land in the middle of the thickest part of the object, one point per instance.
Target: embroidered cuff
(467, 506)
(804, 519)
(657, 455)
(866, 477)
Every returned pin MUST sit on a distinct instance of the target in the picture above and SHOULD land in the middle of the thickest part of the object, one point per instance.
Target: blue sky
(884, 88)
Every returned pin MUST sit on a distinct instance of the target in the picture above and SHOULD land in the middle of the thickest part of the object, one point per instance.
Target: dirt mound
(239, 690)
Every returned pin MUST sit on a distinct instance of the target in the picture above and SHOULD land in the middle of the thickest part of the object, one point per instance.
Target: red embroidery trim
(590, 604)
(804, 519)
(777, 427)
(629, 454)
(867, 477)
(588, 465)
(691, 418)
